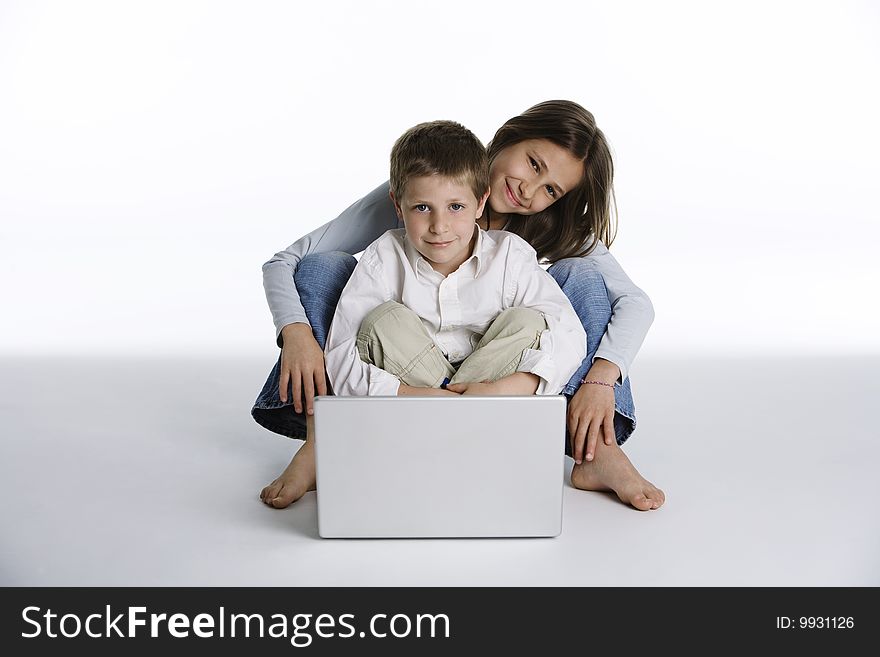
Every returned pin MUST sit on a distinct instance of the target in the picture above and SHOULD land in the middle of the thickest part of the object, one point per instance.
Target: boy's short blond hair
(443, 148)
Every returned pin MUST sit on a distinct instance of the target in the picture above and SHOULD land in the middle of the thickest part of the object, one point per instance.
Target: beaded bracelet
(598, 383)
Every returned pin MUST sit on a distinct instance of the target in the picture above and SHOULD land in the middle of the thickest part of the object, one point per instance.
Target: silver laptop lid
(439, 466)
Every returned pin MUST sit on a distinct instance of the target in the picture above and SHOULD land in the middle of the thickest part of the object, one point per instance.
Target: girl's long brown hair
(573, 224)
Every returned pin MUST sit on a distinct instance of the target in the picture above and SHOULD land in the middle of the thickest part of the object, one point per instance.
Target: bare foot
(611, 470)
(298, 478)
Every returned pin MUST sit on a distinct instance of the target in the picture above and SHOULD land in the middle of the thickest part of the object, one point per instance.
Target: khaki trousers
(393, 338)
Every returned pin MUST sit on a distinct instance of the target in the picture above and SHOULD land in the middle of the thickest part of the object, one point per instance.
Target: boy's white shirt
(502, 272)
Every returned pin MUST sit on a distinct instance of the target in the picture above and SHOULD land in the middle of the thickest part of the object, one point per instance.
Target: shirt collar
(477, 255)
(422, 267)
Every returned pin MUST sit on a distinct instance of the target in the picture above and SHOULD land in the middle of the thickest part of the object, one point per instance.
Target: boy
(442, 307)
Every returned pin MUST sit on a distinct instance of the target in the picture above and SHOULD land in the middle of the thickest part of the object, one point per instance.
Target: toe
(641, 502)
(285, 496)
(270, 491)
(281, 501)
(655, 497)
(660, 498)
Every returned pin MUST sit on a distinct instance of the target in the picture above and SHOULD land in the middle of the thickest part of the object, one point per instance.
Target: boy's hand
(302, 367)
(405, 390)
(518, 383)
(474, 388)
(591, 412)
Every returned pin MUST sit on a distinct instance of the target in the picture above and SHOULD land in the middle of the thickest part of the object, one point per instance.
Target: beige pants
(393, 338)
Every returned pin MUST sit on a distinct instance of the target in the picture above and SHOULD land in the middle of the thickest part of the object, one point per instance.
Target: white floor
(146, 472)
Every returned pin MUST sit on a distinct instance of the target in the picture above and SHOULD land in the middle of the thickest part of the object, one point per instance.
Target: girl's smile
(510, 195)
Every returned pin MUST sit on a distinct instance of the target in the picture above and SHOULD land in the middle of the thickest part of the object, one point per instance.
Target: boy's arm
(405, 390)
(564, 345)
(348, 374)
(518, 383)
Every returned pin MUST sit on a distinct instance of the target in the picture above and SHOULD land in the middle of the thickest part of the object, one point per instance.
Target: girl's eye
(456, 207)
(421, 207)
(533, 163)
(551, 191)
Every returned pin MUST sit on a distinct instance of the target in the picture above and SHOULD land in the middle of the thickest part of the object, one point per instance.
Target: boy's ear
(482, 205)
(396, 204)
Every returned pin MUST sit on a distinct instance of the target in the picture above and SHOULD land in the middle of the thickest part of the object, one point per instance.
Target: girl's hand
(302, 366)
(591, 412)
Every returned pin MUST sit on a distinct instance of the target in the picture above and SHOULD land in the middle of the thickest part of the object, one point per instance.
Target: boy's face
(440, 216)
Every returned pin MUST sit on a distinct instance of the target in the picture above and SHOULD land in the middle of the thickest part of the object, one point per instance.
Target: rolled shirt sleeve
(348, 374)
(563, 346)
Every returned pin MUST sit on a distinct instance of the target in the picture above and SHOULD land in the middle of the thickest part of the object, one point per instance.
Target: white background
(154, 154)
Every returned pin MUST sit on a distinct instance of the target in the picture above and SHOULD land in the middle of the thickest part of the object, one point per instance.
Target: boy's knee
(522, 319)
(391, 336)
(387, 316)
(329, 265)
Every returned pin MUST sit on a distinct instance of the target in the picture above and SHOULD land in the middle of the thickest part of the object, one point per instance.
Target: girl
(551, 174)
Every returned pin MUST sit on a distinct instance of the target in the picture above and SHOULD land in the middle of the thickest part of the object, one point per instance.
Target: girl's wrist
(604, 372)
(587, 381)
(295, 327)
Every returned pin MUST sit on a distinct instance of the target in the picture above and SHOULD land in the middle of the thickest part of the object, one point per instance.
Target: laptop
(407, 467)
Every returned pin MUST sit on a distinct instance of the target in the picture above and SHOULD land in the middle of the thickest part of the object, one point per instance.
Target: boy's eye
(533, 163)
(551, 191)
(456, 207)
(421, 207)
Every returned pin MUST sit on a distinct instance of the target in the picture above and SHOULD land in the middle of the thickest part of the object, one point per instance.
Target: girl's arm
(632, 313)
(591, 410)
(350, 232)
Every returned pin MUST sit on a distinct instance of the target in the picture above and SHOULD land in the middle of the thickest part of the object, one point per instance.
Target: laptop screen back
(439, 466)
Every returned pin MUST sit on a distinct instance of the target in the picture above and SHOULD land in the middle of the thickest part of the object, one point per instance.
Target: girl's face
(531, 175)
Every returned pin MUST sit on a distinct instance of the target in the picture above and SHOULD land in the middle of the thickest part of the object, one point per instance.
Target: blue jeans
(320, 278)
(585, 288)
